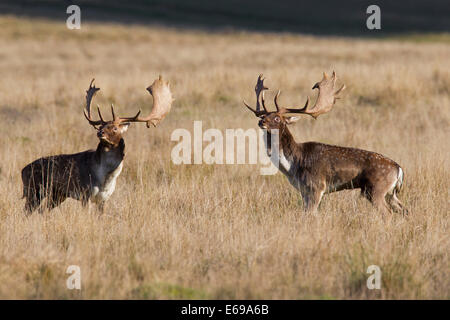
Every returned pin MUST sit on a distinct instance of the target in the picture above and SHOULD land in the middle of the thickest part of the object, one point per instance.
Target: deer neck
(287, 143)
(110, 156)
(287, 149)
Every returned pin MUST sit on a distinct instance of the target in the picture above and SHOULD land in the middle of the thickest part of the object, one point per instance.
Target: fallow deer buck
(92, 174)
(315, 168)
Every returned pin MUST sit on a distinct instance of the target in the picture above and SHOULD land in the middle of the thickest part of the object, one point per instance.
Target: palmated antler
(259, 90)
(162, 102)
(325, 100)
(90, 93)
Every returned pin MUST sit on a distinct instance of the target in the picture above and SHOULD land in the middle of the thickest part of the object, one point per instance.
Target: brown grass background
(222, 231)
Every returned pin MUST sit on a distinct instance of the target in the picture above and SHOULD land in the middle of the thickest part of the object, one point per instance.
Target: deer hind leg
(55, 199)
(396, 204)
(377, 196)
(33, 201)
(379, 201)
(34, 197)
(31, 191)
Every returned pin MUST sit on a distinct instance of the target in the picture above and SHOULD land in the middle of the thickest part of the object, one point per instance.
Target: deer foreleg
(101, 206)
(311, 198)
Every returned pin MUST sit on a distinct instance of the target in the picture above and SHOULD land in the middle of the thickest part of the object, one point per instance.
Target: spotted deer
(316, 168)
(92, 174)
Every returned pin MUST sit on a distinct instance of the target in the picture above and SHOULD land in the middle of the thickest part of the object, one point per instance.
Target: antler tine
(294, 110)
(131, 119)
(112, 112)
(275, 100)
(94, 123)
(100, 114)
(325, 100)
(250, 108)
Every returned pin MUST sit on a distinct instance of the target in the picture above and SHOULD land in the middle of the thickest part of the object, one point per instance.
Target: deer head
(279, 119)
(110, 132)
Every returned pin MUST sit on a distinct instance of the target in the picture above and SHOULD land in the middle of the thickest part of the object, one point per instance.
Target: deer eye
(115, 129)
(277, 119)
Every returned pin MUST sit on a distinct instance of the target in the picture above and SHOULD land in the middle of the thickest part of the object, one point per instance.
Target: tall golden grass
(221, 231)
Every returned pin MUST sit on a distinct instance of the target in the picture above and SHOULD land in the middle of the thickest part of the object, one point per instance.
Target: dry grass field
(222, 231)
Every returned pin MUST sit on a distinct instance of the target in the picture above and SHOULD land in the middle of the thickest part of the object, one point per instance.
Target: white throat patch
(284, 162)
(108, 185)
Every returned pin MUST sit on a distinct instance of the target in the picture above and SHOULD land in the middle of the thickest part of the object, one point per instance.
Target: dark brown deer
(92, 174)
(315, 168)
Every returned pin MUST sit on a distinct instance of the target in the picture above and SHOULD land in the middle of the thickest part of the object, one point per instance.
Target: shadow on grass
(326, 17)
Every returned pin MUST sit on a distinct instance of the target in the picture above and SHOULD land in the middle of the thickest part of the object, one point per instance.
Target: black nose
(260, 123)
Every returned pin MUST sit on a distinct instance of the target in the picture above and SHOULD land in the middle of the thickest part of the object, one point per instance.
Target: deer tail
(399, 183)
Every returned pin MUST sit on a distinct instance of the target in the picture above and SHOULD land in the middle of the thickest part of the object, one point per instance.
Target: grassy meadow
(222, 231)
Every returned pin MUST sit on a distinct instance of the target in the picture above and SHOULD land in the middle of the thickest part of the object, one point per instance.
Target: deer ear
(124, 127)
(290, 120)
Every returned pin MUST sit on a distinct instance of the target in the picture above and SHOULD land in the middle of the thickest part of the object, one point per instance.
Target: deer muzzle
(261, 124)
